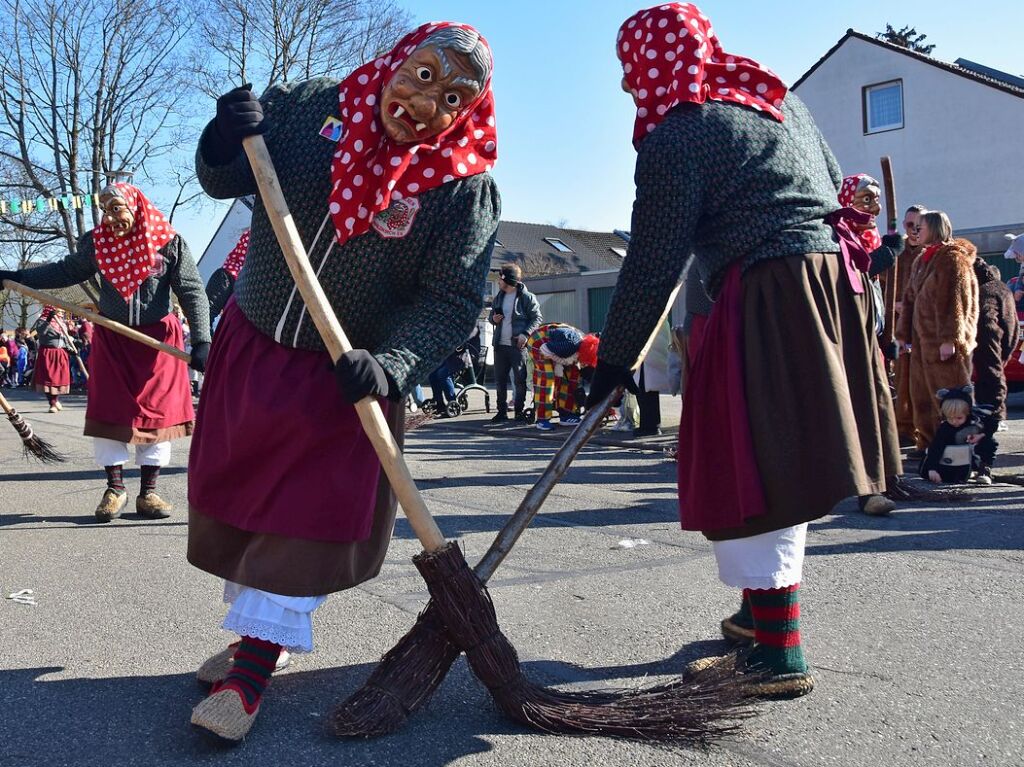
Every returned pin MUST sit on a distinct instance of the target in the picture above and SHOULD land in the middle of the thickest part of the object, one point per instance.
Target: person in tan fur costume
(939, 320)
(901, 367)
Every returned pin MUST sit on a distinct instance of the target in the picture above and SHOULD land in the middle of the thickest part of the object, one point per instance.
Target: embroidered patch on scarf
(396, 221)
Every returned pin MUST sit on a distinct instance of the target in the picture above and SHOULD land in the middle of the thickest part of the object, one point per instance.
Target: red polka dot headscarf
(126, 262)
(847, 191)
(671, 55)
(369, 169)
(236, 258)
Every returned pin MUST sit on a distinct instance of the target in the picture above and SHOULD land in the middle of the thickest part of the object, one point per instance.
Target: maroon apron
(276, 448)
(136, 387)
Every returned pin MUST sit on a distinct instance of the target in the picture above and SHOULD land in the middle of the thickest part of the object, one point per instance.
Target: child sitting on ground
(950, 456)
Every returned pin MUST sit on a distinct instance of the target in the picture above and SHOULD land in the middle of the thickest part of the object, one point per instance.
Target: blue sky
(564, 126)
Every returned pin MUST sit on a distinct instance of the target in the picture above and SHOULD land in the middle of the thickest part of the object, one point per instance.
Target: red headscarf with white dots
(369, 169)
(870, 236)
(126, 262)
(670, 55)
(236, 258)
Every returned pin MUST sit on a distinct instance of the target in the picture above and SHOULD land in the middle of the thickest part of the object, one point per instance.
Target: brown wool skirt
(821, 416)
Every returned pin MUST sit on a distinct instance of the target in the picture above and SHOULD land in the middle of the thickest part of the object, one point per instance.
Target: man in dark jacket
(516, 315)
(998, 335)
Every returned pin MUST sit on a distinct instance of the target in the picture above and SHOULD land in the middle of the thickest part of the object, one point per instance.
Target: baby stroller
(462, 366)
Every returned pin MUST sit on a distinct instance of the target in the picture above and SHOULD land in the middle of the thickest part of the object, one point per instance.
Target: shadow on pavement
(144, 720)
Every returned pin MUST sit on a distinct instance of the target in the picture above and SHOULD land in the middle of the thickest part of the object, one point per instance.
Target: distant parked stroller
(456, 377)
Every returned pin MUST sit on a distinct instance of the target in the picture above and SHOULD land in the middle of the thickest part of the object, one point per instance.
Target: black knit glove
(894, 242)
(239, 114)
(606, 378)
(359, 375)
(199, 354)
(9, 275)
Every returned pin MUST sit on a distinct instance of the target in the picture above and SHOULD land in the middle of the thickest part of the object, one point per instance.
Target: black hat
(965, 393)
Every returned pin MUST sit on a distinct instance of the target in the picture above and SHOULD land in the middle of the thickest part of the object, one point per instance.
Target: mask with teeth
(426, 94)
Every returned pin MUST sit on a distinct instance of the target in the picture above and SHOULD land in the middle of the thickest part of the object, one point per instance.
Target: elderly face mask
(117, 216)
(426, 94)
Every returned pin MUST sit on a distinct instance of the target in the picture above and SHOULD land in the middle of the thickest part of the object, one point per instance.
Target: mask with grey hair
(464, 41)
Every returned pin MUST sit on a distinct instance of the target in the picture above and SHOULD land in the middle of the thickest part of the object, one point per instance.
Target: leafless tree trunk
(270, 41)
(90, 87)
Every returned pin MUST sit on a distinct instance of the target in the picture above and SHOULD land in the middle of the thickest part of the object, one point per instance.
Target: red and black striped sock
(150, 474)
(53, 399)
(115, 478)
(776, 614)
(251, 670)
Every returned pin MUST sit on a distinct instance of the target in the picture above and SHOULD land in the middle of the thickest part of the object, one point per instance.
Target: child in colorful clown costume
(558, 352)
(137, 395)
(398, 213)
(787, 409)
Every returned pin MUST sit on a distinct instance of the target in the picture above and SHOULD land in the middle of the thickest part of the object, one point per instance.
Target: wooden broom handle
(370, 414)
(6, 406)
(99, 319)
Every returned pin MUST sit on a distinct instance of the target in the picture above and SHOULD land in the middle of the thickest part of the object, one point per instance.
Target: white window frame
(558, 245)
(867, 92)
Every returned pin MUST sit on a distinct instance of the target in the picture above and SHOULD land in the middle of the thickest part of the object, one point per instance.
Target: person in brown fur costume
(939, 320)
(901, 367)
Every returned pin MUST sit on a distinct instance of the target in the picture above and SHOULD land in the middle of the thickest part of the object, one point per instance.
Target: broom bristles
(32, 444)
(401, 683)
(702, 707)
(904, 491)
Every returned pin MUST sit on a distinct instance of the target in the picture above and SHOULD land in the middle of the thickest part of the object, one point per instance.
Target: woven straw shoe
(152, 506)
(217, 666)
(110, 505)
(735, 633)
(225, 714)
(768, 687)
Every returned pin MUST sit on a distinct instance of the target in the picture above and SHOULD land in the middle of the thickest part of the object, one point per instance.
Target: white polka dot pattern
(397, 171)
(651, 40)
(236, 258)
(128, 260)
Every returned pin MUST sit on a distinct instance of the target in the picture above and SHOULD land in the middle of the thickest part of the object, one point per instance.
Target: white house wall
(962, 145)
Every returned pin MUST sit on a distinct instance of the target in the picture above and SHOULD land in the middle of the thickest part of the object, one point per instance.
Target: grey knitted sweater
(408, 299)
(725, 184)
(177, 273)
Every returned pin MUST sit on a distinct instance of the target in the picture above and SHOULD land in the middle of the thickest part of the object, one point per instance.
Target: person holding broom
(137, 396)
(386, 176)
(787, 409)
(52, 374)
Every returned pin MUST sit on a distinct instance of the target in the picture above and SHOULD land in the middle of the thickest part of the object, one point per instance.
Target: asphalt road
(913, 624)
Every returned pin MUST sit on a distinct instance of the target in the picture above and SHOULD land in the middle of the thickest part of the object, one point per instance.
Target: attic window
(620, 252)
(558, 245)
(883, 107)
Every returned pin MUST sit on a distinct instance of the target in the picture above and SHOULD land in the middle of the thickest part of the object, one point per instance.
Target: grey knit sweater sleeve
(223, 182)
(72, 269)
(665, 214)
(453, 280)
(188, 287)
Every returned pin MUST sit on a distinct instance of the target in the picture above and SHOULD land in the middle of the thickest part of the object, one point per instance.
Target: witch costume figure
(862, 193)
(787, 410)
(287, 502)
(52, 373)
(137, 395)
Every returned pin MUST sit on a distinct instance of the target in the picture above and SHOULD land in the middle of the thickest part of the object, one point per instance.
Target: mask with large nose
(426, 94)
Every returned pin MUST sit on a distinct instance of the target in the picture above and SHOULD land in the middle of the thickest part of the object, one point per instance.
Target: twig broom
(33, 445)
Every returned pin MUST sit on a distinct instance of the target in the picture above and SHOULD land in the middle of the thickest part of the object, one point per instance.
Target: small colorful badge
(331, 129)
